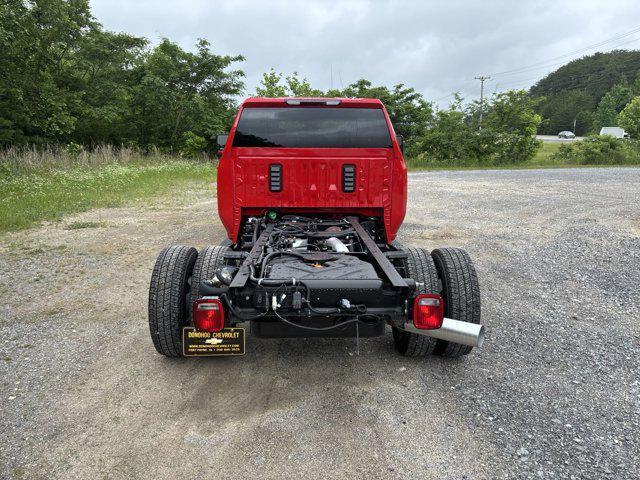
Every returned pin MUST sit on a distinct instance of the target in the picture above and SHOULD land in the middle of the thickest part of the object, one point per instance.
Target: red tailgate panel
(312, 179)
(312, 182)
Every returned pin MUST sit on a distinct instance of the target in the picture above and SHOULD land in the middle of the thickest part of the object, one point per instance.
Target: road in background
(554, 138)
(554, 393)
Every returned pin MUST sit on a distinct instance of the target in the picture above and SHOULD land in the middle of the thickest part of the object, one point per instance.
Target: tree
(37, 89)
(561, 110)
(293, 86)
(507, 135)
(104, 70)
(612, 104)
(511, 123)
(629, 118)
(65, 79)
(300, 87)
(179, 91)
(594, 74)
(270, 85)
(409, 112)
(449, 138)
(635, 88)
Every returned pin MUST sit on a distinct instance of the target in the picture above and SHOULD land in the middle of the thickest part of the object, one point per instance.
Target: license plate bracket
(226, 342)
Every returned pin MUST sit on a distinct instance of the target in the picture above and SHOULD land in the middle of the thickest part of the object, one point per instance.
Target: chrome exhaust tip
(464, 333)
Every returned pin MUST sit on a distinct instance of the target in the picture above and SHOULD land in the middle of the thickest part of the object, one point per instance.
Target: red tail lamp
(428, 311)
(208, 315)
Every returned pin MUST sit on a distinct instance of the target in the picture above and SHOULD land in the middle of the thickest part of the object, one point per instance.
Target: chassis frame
(349, 307)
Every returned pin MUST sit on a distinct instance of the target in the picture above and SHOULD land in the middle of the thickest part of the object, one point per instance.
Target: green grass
(543, 156)
(542, 159)
(29, 197)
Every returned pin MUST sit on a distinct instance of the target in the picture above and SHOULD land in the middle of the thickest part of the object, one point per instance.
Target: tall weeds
(25, 160)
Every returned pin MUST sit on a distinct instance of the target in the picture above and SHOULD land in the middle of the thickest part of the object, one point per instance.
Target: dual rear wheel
(450, 273)
(175, 284)
(179, 270)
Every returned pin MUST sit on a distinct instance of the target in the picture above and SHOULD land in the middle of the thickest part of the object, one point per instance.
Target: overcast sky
(434, 46)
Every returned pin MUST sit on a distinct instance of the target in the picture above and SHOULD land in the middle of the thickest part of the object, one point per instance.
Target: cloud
(436, 47)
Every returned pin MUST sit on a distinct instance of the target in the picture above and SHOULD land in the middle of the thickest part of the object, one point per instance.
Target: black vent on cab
(348, 178)
(275, 177)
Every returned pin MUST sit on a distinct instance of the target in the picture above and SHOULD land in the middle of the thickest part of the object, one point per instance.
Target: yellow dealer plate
(228, 341)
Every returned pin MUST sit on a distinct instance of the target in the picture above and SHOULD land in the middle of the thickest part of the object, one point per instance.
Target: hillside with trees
(575, 92)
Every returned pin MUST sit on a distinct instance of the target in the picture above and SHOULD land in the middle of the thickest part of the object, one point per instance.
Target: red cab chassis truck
(312, 192)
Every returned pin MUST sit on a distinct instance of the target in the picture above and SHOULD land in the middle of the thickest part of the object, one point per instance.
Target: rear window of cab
(312, 127)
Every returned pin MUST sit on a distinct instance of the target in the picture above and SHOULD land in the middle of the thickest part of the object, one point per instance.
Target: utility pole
(482, 79)
(574, 126)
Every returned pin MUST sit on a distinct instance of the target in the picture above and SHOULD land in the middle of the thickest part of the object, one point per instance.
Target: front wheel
(168, 292)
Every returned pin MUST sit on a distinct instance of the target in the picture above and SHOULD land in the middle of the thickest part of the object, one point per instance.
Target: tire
(421, 268)
(460, 292)
(170, 287)
(209, 260)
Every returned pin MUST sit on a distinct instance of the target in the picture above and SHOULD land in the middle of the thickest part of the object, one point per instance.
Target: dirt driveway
(555, 392)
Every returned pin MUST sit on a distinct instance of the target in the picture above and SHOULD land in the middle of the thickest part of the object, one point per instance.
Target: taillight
(428, 310)
(208, 315)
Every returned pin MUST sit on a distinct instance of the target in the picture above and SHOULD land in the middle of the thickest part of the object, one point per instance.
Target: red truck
(312, 192)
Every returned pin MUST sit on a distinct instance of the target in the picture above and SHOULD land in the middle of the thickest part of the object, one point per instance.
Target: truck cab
(338, 156)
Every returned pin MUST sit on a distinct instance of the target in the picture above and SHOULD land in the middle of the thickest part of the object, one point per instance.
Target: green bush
(510, 128)
(599, 150)
(506, 135)
(449, 141)
(193, 145)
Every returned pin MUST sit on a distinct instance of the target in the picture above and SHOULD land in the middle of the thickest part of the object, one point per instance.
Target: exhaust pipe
(337, 245)
(465, 333)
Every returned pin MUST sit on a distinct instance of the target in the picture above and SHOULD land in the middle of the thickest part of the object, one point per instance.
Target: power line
(564, 62)
(545, 63)
(595, 78)
(574, 52)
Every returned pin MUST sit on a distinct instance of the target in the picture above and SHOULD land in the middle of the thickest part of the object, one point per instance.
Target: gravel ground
(554, 393)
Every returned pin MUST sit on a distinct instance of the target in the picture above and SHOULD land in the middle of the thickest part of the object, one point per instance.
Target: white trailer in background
(616, 132)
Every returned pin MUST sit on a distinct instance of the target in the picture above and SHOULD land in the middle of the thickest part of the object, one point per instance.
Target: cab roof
(312, 101)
